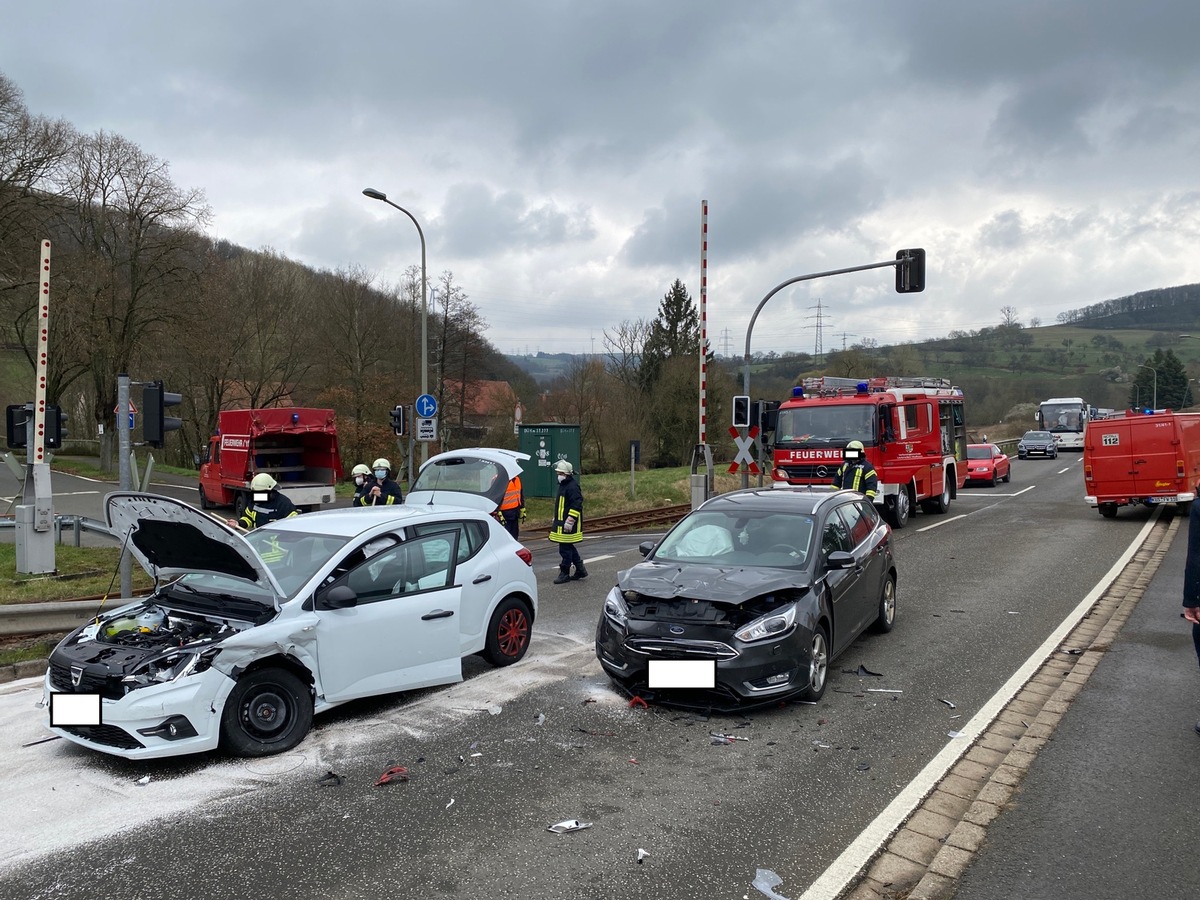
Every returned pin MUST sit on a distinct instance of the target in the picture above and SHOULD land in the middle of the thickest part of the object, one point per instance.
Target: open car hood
(169, 538)
(717, 584)
(476, 478)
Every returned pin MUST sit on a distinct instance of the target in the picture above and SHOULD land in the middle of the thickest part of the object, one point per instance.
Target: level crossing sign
(745, 450)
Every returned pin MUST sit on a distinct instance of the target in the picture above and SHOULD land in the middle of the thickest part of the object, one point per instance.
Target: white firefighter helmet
(262, 482)
(381, 463)
(562, 467)
(360, 469)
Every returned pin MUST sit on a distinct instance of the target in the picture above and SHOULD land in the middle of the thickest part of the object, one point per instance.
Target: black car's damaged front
(754, 626)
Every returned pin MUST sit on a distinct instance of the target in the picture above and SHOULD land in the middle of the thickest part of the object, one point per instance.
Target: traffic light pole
(904, 259)
(125, 470)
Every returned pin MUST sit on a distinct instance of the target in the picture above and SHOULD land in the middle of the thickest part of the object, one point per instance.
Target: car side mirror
(840, 559)
(338, 597)
(645, 547)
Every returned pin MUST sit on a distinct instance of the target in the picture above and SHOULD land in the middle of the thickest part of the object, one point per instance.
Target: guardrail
(77, 524)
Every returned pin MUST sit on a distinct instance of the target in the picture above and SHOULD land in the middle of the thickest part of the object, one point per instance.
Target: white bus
(1066, 418)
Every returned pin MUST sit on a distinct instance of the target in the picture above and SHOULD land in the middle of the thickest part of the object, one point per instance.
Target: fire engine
(913, 430)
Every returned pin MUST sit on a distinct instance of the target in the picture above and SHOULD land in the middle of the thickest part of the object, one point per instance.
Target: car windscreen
(979, 453)
(834, 424)
(741, 538)
(294, 556)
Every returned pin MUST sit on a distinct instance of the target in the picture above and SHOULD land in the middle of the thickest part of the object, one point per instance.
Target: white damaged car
(247, 636)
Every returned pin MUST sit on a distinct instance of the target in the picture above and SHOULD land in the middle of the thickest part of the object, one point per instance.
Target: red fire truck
(913, 430)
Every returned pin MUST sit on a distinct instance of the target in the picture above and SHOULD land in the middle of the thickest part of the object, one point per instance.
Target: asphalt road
(497, 759)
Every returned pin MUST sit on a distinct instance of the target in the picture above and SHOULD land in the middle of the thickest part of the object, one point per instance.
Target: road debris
(642, 854)
(330, 779)
(947, 702)
(569, 825)
(720, 738)
(540, 720)
(861, 670)
(495, 709)
(884, 691)
(394, 773)
(636, 702)
(955, 734)
(450, 804)
(145, 779)
(766, 881)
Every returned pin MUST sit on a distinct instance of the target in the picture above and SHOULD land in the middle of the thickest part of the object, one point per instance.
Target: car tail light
(526, 557)
(1180, 471)
(1087, 473)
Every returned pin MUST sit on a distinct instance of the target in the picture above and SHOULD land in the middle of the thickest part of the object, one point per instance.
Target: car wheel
(899, 508)
(1108, 510)
(995, 480)
(204, 504)
(939, 504)
(1008, 475)
(508, 633)
(269, 711)
(886, 619)
(818, 665)
(239, 505)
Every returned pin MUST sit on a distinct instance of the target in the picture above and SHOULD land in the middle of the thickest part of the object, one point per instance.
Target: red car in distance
(987, 463)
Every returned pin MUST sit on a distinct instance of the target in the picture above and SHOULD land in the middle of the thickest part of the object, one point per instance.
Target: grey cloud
(477, 221)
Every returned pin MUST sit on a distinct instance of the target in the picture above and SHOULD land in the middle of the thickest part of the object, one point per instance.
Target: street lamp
(1154, 402)
(380, 195)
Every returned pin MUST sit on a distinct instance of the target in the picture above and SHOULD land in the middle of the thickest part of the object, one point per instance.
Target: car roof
(798, 500)
(354, 521)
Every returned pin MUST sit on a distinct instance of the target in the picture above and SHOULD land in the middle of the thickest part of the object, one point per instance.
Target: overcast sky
(1045, 154)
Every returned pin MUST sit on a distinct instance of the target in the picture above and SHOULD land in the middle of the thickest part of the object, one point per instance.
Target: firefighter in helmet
(362, 474)
(567, 528)
(856, 473)
(267, 504)
(380, 490)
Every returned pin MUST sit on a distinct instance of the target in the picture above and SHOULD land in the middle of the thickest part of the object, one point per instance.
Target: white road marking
(942, 522)
(846, 867)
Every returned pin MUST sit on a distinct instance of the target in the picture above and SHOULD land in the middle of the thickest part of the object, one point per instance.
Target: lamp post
(1154, 402)
(380, 195)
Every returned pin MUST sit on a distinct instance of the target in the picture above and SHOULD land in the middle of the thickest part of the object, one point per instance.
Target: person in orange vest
(512, 508)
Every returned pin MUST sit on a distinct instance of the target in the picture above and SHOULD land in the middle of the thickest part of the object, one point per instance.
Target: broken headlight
(170, 667)
(773, 625)
(615, 609)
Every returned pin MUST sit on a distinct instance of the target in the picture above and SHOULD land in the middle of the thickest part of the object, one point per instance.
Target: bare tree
(1009, 317)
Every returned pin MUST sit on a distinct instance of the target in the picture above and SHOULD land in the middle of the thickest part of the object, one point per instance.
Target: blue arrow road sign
(426, 406)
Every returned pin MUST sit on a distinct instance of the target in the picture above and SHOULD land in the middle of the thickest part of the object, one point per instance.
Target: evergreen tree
(1161, 381)
(674, 332)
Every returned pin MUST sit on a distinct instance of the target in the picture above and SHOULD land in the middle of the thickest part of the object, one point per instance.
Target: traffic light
(15, 418)
(156, 423)
(910, 271)
(56, 431)
(764, 414)
(741, 411)
(400, 420)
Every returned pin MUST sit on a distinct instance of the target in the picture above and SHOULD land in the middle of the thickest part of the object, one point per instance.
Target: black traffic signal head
(156, 423)
(910, 271)
(400, 420)
(15, 418)
(741, 411)
(56, 427)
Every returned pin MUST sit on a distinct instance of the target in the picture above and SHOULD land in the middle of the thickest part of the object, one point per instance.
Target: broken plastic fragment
(863, 670)
(766, 881)
(569, 825)
(638, 703)
(394, 773)
(145, 779)
(948, 703)
(495, 710)
(450, 804)
(864, 767)
(541, 719)
(330, 779)
(955, 734)
(884, 691)
(642, 854)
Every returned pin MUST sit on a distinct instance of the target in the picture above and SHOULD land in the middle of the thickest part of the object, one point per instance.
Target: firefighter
(267, 504)
(855, 473)
(383, 491)
(362, 475)
(567, 527)
(511, 512)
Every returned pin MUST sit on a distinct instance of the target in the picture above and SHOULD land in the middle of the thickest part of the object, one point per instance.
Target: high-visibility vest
(512, 495)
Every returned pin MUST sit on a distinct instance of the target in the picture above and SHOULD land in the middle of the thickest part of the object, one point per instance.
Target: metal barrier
(77, 524)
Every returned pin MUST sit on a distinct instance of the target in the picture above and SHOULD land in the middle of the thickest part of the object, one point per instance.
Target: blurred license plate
(682, 673)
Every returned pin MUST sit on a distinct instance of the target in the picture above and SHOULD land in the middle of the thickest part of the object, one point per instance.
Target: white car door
(402, 632)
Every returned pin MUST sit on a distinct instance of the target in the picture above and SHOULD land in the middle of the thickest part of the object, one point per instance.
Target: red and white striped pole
(703, 320)
(38, 451)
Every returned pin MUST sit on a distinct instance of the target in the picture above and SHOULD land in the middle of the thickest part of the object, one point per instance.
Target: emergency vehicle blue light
(295, 418)
(798, 391)
(861, 387)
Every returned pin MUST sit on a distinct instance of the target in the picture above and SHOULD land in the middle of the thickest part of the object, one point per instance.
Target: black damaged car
(749, 598)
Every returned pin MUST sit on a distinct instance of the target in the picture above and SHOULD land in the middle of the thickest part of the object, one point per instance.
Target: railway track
(643, 518)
